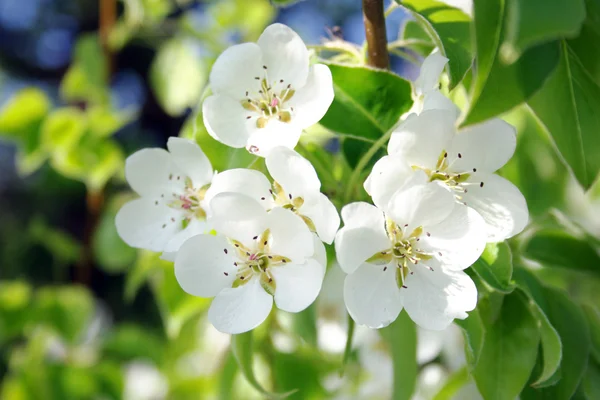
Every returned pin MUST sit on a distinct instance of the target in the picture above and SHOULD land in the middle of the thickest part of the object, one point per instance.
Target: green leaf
(111, 253)
(498, 87)
(227, 376)
(474, 333)
(593, 318)
(24, 111)
(104, 122)
(304, 324)
(591, 381)
(495, 267)
(367, 104)
(62, 130)
(132, 342)
(177, 77)
(242, 346)
(146, 264)
(550, 339)
(68, 310)
(567, 106)
(586, 46)
(450, 30)
(453, 384)
(413, 30)
(509, 351)
(532, 22)
(15, 297)
(557, 248)
(401, 337)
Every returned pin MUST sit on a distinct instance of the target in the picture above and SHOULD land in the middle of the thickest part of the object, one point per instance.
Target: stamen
(225, 251)
(459, 155)
(481, 184)
(226, 274)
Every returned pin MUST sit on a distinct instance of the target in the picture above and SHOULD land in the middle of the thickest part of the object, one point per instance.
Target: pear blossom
(266, 93)
(171, 208)
(410, 257)
(296, 187)
(464, 161)
(427, 87)
(256, 258)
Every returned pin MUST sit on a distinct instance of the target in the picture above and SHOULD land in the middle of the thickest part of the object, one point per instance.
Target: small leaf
(62, 129)
(25, 110)
(413, 30)
(567, 105)
(15, 297)
(495, 267)
(509, 351)
(401, 337)
(593, 318)
(177, 77)
(450, 30)
(526, 26)
(243, 351)
(586, 46)
(591, 381)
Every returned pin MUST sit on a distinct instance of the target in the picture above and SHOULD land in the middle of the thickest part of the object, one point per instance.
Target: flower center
(288, 201)
(404, 253)
(270, 101)
(457, 181)
(189, 201)
(256, 262)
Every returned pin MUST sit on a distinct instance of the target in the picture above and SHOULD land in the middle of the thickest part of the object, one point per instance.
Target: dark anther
(270, 191)
(481, 184)
(265, 243)
(445, 155)
(459, 155)
(264, 67)
(226, 274)
(474, 169)
(405, 225)
(235, 264)
(428, 234)
(270, 256)
(405, 287)
(262, 198)
(178, 177)
(170, 176)
(440, 253)
(290, 195)
(241, 277)
(385, 268)
(225, 251)
(260, 91)
(270, 280)
(255, 237)
(248, 117)
(281, 81)
(164, 226)
(248, 254)
(257, 78)
(156, 203)
(466, 190)
(283, 260)
(247, 95)
(249, 101)
(172, 219)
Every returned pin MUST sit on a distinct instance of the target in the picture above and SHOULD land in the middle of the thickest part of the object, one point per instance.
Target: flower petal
(285, 55)
(294, 173)
(204, 265)
(226, 120)
(421, 205)
(434, 298)
(354, 246)
(297, 285)
(388, 175)
(435, 100)
(312, 101)
(240, 309)
(485, 147)
(290, 237)
(421, 139)
(194, 227)
(152, 172)
(274, 134)
(143, 224)
(235, 70)
(457, 241)
(324, 216)
(429, 76)
(250, 182)
(320, 254)
(360, 214)
(238, 217)
(500, 203)
(190, 158)
(372, 296)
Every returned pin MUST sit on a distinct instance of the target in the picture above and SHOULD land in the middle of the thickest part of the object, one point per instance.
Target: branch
(376, 36)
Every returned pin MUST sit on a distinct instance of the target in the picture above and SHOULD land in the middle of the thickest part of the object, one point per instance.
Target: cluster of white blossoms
(249, 241)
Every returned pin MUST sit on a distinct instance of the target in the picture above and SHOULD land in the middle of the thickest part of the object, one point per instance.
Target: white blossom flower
(172, 185)
(427, 86)
(143, 381)
(464, 161)
(256, 257)
(296, 187)
(265, 93)
(412, 256)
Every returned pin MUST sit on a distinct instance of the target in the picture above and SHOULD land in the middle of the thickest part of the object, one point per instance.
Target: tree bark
(376, 35)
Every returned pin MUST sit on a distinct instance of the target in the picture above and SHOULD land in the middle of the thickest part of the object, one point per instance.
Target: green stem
(348, 347)
(339, 46)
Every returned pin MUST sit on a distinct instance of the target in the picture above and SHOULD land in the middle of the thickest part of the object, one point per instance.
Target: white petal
(204, 265)
(152, 172)
(429, 76)
(433, 299)
(429, 344)
(234, 72)
(226, 120)
(294, 173)
(285, 55)
(297, 285)
(290, 237)
(421, 139)
(238, 217)
(140, 224)
(240, 309)
(275, 134)
(500, 203)
(194, 227)
(312, 101)
(485, 147)
(460, 238)
(361, 214)
(372, 296)
(190, 158)
(388, 175)
(421, 205)
(324, 216)
(250, 182)
(435, 100)
(320, 254)
(354, 246)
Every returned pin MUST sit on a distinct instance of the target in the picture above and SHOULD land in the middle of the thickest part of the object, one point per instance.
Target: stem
(348, 347)
(94, 202)
(375, 31)
(107, 19)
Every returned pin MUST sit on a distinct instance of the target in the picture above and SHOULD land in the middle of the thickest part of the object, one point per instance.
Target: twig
(375, 32)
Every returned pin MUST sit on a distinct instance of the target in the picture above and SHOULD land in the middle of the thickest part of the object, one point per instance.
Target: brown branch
(375, 31)
(107, 20)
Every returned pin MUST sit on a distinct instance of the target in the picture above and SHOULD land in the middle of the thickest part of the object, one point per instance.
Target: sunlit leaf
(495, 267)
